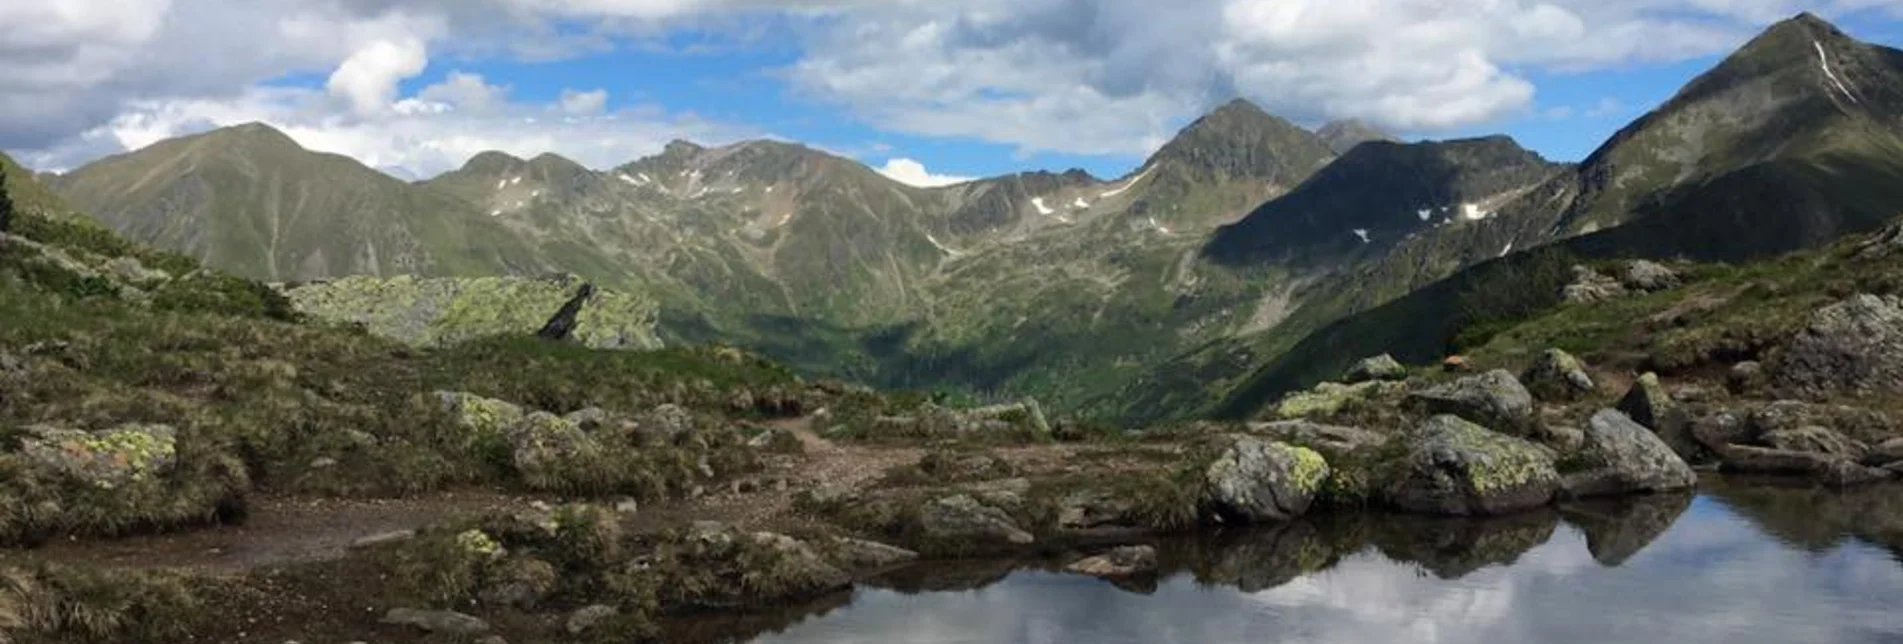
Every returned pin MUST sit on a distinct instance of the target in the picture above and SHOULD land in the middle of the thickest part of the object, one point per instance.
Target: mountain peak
(682, 147)
(491, 161)
(1239, 140)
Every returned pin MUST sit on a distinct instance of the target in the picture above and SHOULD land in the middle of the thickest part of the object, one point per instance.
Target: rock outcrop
(1455, 467)
(964, 519)
(1258, 481)
(1852, 346)
(1494, 399)
(1381, 367)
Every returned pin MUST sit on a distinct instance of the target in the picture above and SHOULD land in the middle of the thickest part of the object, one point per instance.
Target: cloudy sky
(925, 89)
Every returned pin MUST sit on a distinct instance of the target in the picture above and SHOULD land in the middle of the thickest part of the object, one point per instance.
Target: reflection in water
(1741, 564)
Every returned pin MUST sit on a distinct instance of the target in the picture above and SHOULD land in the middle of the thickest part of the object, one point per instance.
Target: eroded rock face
(1558, 376)
(1494, 399)
(965, 519)
(1260, 481)
(1120, 562)
(1455, 467)
(1381, 367)
(1852, 346)
(1622, 457)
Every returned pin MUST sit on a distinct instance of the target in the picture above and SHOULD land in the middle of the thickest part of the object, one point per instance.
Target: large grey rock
(1557, 376)
(1853, 346)
(1622, 457)
(1454, 467)
(437, 621)
(1642, 275)
(1651, 405)
(1716, 431)
(1590, 286)
(1259, 481)
(964, 519)
(1821, 440)
(1494, 399)
(1381, 367)
(1119, 562)
(1096, 509)
(1830, 470)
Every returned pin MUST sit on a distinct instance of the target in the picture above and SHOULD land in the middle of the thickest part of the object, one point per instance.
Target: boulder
(663, 425)
(480, 416)
(542, 444)
(1259, 481)
(1647, 276)
(1852, 346)
(1557, 376)
(1824, 468)
(860, 554)
(1716, 431)
(437, 621)
(1455, 467)
(1096, 509)
(1651, 405)
(1119, 562)
(964, 520)
(1381, 367)
(589, 617)
(109, 460)
(1622, 457)
(1812, 438)
(1494, 399)
(1745, 377)
(520, 582)
(1330, 397)
(797, 565)
(1589, 286)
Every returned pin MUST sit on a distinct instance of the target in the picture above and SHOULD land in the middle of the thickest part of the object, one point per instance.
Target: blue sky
(966, 88)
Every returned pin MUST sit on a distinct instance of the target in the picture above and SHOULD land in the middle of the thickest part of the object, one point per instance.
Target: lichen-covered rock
(1622, 457)
(437, 621)
(797, 564)
(1812, 438)
(1381, 367)
(1125, 561)
(1494, 399)
(1557, 376)
(541, 444)
(1852, 346)
(1830, 470)
(1329, 397)
(444, 311)
(485, 417)
(108, 460)
(963, 519)
(1259, 481)
(1455, 467)
(1647, 276)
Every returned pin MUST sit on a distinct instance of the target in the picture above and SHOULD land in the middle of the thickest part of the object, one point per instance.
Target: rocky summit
(532, 400)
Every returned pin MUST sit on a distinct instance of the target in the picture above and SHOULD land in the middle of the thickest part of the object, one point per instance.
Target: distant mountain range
(1186, 286)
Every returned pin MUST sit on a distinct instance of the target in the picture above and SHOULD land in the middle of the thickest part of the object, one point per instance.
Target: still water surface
(1737, 564)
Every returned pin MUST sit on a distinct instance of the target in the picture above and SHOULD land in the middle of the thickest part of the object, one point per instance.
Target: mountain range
(1245, 257)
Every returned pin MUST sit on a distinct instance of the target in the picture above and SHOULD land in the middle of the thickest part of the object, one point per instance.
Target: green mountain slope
(1766, 153)
(248, 199)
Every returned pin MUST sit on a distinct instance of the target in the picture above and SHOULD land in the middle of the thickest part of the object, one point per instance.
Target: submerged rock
(1494, 399)
(1381, 367)
(1622, 457)
(1454, 467)
(1259, 481)
(1855, 345)
(1120, 562)
(1558, 376)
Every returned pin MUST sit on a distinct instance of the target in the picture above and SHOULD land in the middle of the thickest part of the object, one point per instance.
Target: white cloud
(913, 173)
(582, 103)
(1076, 76)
